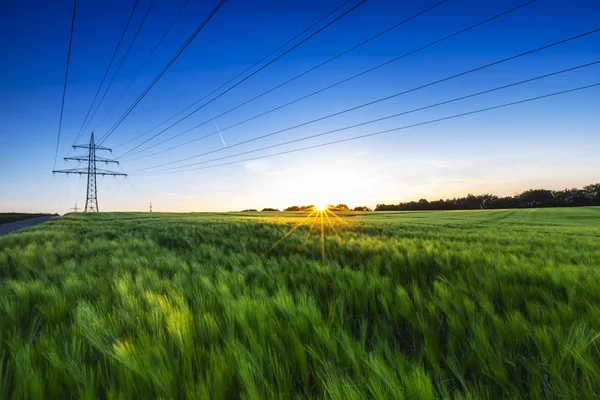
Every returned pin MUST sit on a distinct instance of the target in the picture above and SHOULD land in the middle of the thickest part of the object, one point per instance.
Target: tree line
(588, 196)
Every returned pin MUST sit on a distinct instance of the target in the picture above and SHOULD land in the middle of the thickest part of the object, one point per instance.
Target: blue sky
(550, 143)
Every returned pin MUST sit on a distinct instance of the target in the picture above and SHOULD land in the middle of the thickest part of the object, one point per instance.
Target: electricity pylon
(91, 200)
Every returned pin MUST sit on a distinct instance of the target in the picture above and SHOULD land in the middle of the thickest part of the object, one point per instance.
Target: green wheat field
(500, 304)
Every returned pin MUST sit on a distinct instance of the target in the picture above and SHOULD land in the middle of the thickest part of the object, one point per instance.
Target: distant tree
(270, 209)
(472, 202)
(577, 197)
(250, 210)
(572, 197)
(342, 207)
(562, 197)
(361, 208)
(422, 204)
(309, 207)
(592, 192)
(488, 200)
(292, 208)
(536, 198)
(437, 204)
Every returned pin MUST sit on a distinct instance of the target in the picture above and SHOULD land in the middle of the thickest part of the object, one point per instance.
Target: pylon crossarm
(111, 173)
(84, 172)
(70, 171)
(84, 158)
(87, 146)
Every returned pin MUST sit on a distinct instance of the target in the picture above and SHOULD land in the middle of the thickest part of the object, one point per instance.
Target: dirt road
(15, 226)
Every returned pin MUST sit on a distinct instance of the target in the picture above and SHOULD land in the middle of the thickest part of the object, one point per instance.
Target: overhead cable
(388, 130)
(62, 106)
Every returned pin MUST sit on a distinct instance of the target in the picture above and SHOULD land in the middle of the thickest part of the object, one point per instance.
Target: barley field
(499, 304)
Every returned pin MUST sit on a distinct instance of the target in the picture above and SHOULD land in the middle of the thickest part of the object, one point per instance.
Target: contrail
(221, 136)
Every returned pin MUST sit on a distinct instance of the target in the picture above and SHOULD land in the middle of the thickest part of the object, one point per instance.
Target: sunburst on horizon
(321, 215)
(321, 206)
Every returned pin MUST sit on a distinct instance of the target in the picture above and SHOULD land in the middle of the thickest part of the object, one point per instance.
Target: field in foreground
(466, 304)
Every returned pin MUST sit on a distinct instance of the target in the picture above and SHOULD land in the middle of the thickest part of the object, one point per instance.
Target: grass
(12, 217)
(419, 305)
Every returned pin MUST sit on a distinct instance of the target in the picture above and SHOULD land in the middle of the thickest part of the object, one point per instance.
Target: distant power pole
(150, 206)
(75, 208)
(91, 200)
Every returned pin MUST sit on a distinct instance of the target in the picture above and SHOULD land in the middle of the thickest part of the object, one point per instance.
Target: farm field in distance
(420, 305)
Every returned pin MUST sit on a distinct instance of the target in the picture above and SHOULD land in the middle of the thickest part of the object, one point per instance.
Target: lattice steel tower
(91, 200)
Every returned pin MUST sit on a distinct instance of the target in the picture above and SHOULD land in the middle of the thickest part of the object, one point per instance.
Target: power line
(167, 66)
(62, 107)
(238, 75)
(289, 80)
(304, 73)
(252, 74)
(377, 119)
(369, 103)
(388, 130)
(106, 72)
(121, 63)
(339, 82)
(145, 63)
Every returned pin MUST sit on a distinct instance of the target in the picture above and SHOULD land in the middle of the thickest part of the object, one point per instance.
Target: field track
(15, 226)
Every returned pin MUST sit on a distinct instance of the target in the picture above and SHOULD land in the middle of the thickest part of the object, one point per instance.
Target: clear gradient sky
(551, 143)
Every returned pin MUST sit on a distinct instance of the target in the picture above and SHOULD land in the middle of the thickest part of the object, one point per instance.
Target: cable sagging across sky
(121, 63)
(164, 70)
(249, 76)
(237, 76)
(112, 59)
(436, 82)
(390, 130)
(379, 119)
(335, 84)
(144, 64)
(62, 106)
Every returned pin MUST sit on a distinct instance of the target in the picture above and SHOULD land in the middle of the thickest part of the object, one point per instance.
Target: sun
(320, 206)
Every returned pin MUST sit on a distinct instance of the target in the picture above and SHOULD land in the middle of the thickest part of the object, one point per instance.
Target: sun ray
(337, 217)
(300, 223)
(330, 223)
(322, 240)
(311, 227)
